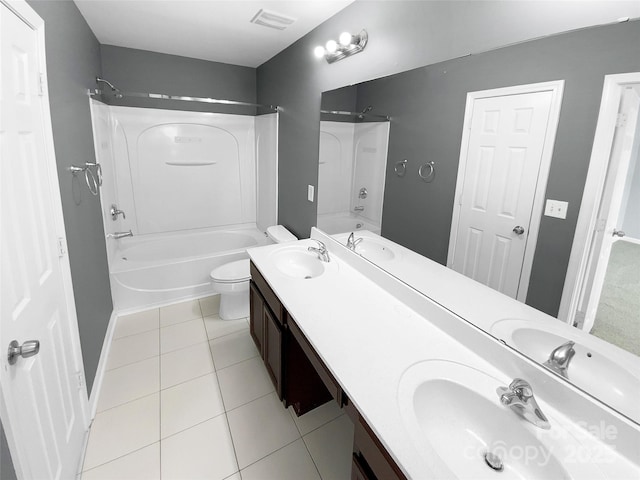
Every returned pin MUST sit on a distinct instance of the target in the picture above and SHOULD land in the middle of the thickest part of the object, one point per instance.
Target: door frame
(577, 270)
(556, 88)
(23, 11)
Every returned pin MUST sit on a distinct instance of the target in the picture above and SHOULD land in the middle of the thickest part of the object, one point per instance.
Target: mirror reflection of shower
(351, 175)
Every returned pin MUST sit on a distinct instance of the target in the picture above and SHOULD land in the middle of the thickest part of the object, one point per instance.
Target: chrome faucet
(560, 357)
(323, 253)
(118, 235)
(352, 242)
(519, 398)
(358, 208)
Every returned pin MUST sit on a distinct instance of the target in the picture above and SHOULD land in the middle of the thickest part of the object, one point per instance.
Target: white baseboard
(102, 365)
(630, 240)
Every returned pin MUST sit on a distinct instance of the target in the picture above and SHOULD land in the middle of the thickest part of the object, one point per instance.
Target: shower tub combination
(197, 189)
(170, 267)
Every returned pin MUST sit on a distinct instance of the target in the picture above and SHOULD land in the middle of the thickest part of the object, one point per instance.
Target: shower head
(114, 89)
(365, 110)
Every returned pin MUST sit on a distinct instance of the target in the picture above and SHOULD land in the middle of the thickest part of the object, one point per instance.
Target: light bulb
(319, 51)
(331, 46)
(345, 39)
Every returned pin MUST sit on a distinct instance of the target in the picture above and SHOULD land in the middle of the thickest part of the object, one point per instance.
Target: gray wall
(73, 61)
(149, 72)
(431, 122)
(427, 107)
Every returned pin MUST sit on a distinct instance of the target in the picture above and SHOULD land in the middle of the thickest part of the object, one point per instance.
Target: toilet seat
(232, 272)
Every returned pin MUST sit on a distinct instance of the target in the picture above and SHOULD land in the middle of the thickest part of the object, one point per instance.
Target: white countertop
(368, 338)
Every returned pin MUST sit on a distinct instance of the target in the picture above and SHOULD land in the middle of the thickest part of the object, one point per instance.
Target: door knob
(518, 230)
(28, 349)
(618, 233)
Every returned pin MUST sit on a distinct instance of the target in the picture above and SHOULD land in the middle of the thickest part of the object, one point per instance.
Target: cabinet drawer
(269, 296)
(373, 454)
(318, 364)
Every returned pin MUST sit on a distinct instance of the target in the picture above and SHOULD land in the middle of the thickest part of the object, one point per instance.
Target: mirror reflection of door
(502, 165)
(612, 286)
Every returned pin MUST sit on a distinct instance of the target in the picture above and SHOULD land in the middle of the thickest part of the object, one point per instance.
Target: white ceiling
(216, 30)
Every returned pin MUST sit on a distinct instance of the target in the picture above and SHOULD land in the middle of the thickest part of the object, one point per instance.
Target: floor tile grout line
(237, 363)
(275, 451)
(319, 426)
(226, 417)
(233, 364)
(191, 426)
(132, 363)
(122, 456)
(311, 456)
(250, 401)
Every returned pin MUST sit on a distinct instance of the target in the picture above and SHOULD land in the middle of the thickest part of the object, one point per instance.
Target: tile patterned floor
(186, 396)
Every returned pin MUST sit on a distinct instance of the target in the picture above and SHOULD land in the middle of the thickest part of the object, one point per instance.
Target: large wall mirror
(390, 152)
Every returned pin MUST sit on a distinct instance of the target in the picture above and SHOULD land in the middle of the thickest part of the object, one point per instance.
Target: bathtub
(155, 270)
(345, 222)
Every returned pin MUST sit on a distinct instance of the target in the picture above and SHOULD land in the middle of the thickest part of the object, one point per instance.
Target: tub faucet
(560, 357)
(352, 242)
(519, 398)
(118, 235)
(321, 250)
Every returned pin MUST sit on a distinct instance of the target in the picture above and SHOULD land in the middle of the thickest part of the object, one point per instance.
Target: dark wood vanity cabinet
(303, 381)
(294, 377)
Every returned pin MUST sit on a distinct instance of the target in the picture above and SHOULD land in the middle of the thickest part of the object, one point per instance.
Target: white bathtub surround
(155, 270)
(205, 418)
(352, 157)
(179, 173)
(387, 327)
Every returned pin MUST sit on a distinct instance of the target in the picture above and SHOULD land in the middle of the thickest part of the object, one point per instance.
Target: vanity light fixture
(346, 46)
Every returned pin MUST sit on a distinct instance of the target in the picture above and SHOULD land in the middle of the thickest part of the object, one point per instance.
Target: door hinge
(80, 378)
(600, 224)
(621, 120)
(41, 83)
(62, 247)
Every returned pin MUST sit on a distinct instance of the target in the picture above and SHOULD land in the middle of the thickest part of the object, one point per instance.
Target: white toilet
(231, 280)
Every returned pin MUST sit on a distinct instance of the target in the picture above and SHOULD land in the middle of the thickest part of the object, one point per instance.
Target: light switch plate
(556, 208)
(310, 192)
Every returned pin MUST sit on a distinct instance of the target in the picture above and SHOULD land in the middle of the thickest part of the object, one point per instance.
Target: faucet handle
(521, 388)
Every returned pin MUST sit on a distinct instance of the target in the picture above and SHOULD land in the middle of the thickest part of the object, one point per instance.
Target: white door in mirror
(503, 158)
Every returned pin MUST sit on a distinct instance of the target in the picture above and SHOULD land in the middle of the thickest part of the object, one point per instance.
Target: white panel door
(608, 228)
(43, 397)
(503, 160)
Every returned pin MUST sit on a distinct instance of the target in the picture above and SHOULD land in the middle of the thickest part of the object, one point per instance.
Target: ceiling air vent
(271, 19)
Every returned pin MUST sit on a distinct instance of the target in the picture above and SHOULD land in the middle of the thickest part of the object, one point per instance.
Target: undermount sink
(374, 251)
(456, 421)
(298, 262)
(593, 361)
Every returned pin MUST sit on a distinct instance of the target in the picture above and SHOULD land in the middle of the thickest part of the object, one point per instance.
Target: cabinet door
(358, 470)
(273, 349)
(256, 319)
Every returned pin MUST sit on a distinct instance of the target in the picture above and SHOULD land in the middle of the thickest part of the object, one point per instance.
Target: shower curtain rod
(355, 114)
(161, 96)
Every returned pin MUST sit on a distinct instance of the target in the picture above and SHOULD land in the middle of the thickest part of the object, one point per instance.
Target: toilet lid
(237, 271)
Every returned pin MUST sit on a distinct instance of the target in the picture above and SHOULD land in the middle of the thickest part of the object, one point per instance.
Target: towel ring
(90, 179)
(98, 172)
(92, 183)
(431, 171)
(400, 167)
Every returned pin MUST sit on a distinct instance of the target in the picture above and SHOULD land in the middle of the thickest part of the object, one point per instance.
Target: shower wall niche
(351, 175)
